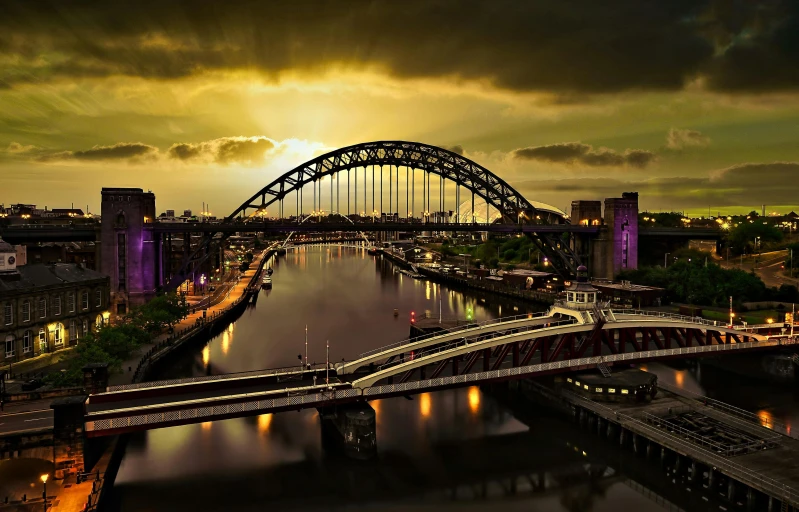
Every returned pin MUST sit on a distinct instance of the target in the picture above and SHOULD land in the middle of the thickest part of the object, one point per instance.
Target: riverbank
(472, 284)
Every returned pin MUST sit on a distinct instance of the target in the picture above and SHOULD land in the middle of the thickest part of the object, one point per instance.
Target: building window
(85, 329)
(570, 297)
(57, 306)
(625, 391)
(84, 300)
(611, 390)
(26, 311)
(598, 390)
(569, 379)
(585, 386)
(577, 383)
(121, 260)
(58, 335)
(9, 346)
(42, 341)
(8, 313)
(27, 342)
(580, 297)
(71, 302)
(73, 331)
(43, 308)
(98, 298)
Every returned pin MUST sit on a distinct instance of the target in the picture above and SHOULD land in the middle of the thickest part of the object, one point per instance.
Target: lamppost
(44, 491)
(666, 260)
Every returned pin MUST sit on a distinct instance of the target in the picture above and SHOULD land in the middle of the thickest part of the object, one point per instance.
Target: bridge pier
(350, 429)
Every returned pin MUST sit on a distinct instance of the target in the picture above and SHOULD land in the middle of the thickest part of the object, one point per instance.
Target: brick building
(44, 308)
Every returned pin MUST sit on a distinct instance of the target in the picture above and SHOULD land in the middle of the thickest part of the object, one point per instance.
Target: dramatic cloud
(740, 185)
(578, 46)
(457, 149)
(226, 150)
(678, 139)
(134, 152)
(16, 147)
(577, 153)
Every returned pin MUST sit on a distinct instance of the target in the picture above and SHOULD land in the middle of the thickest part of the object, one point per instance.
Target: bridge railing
(211, 378)
(682, 318)
(462, 342)
(452, 330)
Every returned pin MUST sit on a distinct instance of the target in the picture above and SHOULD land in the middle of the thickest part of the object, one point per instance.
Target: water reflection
(432, 448)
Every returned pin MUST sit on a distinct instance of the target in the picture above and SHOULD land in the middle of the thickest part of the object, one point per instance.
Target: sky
(693, 104)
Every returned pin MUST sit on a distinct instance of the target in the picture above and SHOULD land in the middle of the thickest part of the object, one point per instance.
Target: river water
(449, 449)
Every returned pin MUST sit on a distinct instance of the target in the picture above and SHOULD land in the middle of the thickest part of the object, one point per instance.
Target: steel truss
(513, 207)
(565, 346)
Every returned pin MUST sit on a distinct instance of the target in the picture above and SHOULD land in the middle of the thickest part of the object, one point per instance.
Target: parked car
(30, 385)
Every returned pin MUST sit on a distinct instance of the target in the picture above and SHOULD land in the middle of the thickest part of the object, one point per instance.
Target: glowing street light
(43, 478)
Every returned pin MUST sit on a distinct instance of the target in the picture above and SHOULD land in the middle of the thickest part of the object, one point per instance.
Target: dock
(721, 447)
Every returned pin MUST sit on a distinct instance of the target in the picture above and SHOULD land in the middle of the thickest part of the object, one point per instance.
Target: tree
(742, 237)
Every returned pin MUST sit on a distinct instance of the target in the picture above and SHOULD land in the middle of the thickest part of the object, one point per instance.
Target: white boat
(266, 282)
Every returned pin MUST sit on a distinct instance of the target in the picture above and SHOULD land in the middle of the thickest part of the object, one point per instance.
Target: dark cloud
(133, 152)
(577, 153)
(569, 48)
(457, 149)
(744, 185)
(678, 139)
(225, 150)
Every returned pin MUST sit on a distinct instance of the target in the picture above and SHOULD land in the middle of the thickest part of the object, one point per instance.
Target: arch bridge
(561, 340)
(358, 179)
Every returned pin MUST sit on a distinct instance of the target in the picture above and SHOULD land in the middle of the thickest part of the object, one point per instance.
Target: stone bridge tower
(621, 223)
(129, 248)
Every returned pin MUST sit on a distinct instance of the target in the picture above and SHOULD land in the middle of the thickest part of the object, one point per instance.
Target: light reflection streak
(474, 399)
(424, 405)
(264, 420)
(206, 355)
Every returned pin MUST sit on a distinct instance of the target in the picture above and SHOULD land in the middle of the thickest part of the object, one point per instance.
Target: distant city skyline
(693, 104)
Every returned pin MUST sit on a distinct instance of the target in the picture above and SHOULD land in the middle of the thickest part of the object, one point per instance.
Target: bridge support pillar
(350, 429)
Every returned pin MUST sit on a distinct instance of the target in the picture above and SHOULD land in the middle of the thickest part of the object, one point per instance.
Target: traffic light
(413, 317)
(469, 315)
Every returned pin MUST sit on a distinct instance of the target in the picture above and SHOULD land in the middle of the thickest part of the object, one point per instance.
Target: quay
(732, 454)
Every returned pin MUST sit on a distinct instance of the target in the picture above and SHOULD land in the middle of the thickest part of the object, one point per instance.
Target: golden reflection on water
(264, 420)
(226, 342)
(474, 399)
(766, 418)
(206, 355)
(424, 405)
(206, 426)
(679, 378)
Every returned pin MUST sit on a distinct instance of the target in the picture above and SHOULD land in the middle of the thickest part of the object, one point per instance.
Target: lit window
(569, 379)
(42, 340)
(585, 386)
(59, 340)
(598, 390)
(611, 390)
(625, 391)
(577, 383)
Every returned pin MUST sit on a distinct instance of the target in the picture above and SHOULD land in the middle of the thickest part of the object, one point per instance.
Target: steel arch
(436, 160)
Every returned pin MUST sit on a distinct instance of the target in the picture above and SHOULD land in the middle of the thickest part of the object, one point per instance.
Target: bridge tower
(130, 250)
(621, 235)
(585, 213)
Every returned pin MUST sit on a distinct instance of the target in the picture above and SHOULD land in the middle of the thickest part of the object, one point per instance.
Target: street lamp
(44, 490)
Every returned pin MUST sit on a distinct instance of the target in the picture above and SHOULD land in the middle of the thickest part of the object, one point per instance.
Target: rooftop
(626, 286)
(40, 275)
(526, 273)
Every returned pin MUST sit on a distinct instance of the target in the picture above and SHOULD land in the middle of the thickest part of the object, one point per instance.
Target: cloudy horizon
(694, 104)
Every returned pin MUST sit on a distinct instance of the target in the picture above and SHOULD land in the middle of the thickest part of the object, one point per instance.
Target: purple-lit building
(130, 250)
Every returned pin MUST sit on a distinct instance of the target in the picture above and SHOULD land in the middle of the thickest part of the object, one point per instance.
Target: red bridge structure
(575, 334)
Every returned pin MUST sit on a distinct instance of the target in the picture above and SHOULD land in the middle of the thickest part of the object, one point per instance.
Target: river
(449, 449)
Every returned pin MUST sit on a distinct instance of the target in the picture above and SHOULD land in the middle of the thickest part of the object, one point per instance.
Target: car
(32, 384)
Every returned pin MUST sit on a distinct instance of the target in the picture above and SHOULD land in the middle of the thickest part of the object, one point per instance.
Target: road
(26, 420)
(769, 268)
